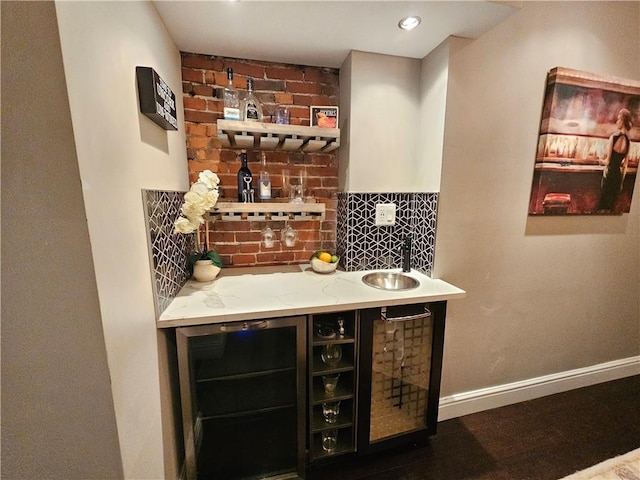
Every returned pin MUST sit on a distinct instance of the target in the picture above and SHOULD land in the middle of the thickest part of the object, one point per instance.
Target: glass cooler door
(242, 408)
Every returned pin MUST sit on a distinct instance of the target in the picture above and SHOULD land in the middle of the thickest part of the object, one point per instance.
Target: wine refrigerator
(242, 387)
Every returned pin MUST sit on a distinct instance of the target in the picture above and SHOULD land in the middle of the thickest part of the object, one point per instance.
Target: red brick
(266, 257)
(321, 100)
(329, 225)
(283, 98)
(197, 142)
(303, 87)
(199, 117)
(244, 70)
(250, 236)
(332, 91)
(303, 100)
(269, 85)
(201, 62)
(247, 259)
(226, 259)
(215, 106)
(232, 226)
(330, 76)
(226, 248)
(239, 242)
(202, 90)
(224, 237)
(195, 103)
(284, 256)
(284, 73)
(220, 78)
(300, 113)
(249, 247)
(195, 129)
(189, 75)
(305, 235)
(209, 165)
(210, 77)
(212, 153)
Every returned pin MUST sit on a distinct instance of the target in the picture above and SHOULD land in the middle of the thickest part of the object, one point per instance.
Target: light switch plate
(386, 214)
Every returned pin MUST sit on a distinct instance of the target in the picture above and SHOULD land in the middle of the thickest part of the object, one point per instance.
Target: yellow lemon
(325, 257)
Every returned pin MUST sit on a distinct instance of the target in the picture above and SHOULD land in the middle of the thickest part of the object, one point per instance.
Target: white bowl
(323, 267)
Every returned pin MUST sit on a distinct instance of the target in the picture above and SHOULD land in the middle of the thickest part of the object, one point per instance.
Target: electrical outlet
(386, 214)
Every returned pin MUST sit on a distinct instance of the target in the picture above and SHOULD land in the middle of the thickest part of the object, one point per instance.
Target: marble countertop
(264, 292)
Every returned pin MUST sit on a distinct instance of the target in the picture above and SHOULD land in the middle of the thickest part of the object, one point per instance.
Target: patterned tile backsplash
(362, 245)
(168, 251)
(359, 242)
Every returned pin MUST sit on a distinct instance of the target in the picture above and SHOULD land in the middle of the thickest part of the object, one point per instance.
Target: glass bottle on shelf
(264, 189)
(231, 99)
(252, 109)
(245, 181)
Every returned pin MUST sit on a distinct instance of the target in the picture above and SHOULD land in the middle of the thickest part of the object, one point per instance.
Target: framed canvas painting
(588, 145)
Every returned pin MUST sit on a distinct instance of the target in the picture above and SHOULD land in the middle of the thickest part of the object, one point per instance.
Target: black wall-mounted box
(157, 101)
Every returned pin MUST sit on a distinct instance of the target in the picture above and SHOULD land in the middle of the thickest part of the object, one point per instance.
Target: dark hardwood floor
(542, 439)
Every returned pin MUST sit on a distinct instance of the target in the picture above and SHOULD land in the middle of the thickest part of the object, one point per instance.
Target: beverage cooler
(400, 369)
(242, 387)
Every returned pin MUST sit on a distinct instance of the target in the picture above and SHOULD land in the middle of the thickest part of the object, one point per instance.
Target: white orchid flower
(200, 198)
(209, 178)
(184, 225)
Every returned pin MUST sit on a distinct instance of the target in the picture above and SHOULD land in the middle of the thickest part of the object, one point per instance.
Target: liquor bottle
(231, 99)
(264, 189)
(252, 109)
(245, 181)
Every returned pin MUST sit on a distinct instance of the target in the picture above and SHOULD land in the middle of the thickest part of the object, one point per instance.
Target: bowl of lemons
(324, 262)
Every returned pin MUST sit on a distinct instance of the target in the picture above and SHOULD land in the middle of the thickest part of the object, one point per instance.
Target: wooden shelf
(267, 211)
(271, 136)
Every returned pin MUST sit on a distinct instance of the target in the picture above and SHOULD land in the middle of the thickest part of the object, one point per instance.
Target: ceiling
(322, 32)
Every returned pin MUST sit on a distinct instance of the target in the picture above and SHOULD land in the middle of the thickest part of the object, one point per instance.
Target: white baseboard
(474, 401)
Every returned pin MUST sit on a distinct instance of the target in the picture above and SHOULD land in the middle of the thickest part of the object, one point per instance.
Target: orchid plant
(202, 196)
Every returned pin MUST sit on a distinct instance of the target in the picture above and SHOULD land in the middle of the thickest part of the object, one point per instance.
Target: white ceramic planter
(205, 271)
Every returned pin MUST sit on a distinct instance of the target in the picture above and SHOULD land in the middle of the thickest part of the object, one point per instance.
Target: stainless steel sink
(390, 281)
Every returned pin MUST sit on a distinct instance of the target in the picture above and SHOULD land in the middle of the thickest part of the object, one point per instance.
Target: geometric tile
(168, 251)
(361, 245)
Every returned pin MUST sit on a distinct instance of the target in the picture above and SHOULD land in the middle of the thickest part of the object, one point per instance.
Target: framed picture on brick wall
(324, 117)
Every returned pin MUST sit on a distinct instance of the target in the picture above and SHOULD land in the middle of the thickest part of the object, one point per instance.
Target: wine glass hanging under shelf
(267, 211)
(270, 136)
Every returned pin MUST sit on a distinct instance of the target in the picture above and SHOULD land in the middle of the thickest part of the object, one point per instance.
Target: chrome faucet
(406, 254)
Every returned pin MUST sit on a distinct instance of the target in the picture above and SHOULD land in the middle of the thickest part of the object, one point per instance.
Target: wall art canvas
(588, 145)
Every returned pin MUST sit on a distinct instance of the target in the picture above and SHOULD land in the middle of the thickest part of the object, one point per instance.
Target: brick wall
(295, 86)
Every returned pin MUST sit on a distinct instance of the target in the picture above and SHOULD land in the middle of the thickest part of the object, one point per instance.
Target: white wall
(392, 120)
(58, 418)
(545, 295)
(426, 166)
(383, 121)
(119, 153)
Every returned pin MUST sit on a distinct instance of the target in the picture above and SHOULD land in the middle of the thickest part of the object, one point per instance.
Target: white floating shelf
(267, 211)
(271, 136)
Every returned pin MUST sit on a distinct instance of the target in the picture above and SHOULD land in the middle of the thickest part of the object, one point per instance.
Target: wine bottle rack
(267, 211)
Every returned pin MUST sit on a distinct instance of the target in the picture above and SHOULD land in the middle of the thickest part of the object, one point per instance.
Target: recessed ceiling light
(409, 23)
